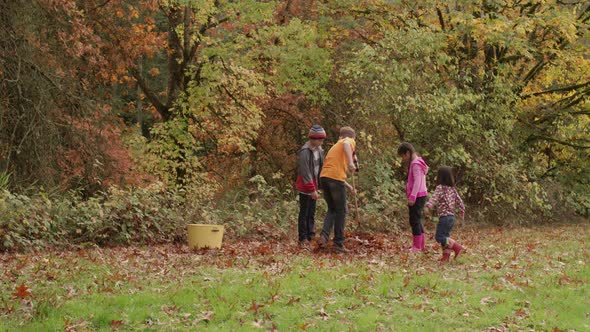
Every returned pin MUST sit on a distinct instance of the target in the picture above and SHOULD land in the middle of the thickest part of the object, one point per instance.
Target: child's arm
(460, 205)
(419, 176)
(349, 158)
(434, 200)
(350, 187)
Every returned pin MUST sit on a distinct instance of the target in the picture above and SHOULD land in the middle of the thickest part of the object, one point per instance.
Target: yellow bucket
(205, 236)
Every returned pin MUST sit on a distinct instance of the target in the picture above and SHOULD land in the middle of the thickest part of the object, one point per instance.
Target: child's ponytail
(404, 148)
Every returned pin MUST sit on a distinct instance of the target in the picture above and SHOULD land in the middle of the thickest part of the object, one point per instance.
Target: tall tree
(474, 84)
(54, 126)
(207, 68)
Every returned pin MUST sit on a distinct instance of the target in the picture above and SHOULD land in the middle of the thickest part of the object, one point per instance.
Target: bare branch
(558, 141)
(574, 99)
(99, 6)
(160, 107)
(561, 89)
(441, 19)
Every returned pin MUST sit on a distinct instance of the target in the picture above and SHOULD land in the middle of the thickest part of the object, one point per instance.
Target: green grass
(523, 279)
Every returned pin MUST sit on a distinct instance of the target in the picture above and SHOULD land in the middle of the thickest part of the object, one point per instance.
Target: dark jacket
(307, 181)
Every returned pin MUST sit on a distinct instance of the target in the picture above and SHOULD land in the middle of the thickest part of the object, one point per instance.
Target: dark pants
(416, 215)
(306, 217)
(335, 196)
(443, 229)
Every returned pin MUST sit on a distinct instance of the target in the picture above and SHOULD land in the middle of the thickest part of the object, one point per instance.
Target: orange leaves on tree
(111, 37)
(154, 72)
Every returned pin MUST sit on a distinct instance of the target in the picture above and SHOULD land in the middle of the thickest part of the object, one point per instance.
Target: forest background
(122, 121)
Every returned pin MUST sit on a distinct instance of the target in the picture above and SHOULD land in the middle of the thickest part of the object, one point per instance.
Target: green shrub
(381, 198)
(117, 217)
(257, 209)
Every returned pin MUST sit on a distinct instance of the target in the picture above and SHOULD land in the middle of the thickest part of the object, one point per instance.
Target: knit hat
(317, 132)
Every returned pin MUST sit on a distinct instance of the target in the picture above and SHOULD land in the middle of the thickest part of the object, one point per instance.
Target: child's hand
(351, 168)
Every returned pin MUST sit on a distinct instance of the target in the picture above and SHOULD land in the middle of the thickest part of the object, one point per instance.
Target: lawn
(533, 279)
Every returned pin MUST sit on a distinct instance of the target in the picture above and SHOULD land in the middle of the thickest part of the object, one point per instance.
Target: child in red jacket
(309, 164)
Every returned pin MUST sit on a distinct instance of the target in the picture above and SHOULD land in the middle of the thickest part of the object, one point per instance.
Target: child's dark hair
(445, 176)
(404, 148)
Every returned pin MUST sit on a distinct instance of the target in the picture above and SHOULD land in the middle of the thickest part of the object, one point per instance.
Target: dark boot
(305, 245)
(341, 249)
(322, 242)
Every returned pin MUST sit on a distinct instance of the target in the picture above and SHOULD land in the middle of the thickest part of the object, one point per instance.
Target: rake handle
(356, 204)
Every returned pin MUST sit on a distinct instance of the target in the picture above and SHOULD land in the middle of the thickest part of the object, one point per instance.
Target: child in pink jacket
(415, 192)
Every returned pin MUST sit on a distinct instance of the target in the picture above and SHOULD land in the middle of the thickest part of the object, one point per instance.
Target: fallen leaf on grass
(521, 313)
(6, 308)
(74, 326)
(206, 317)
(487, 300)
(406, 281)
(22, 292)
(116, 323)
(264, 250)
(259, 323)
(303, 327)
(273, 297)
(255, 306)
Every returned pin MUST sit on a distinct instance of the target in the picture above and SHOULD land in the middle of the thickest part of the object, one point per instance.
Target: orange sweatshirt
(335, 162)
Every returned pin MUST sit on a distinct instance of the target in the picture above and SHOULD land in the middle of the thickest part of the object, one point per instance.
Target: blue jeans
(443, 229)
(306, 220)
(335, 196)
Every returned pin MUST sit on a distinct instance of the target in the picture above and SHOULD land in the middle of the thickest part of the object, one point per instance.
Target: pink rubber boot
(416, 243)
(457, 248)
(422, 241)
(454, 246)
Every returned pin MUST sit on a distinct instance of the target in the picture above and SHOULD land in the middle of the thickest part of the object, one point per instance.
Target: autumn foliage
(215, 97)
